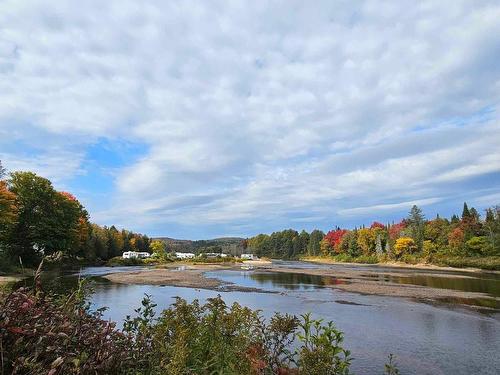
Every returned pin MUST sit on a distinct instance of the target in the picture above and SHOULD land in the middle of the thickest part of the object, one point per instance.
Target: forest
(37, 221)
(466, 240)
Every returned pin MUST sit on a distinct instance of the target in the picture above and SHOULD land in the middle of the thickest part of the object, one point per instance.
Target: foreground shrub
(41, 334)
(189, 338)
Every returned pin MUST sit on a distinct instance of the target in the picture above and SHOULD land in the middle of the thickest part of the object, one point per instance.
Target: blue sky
(196, 119)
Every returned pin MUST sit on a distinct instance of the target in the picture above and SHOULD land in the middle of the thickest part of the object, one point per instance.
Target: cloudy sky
(196, 119)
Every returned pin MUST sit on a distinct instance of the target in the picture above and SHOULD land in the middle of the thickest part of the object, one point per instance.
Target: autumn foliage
(412, 239)
(334, 237)
(37, 221)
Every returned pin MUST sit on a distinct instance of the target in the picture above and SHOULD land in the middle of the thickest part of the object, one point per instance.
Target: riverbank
(443, 266)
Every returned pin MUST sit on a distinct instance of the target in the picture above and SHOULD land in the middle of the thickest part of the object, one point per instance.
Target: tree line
(469, 235)
(38, 221)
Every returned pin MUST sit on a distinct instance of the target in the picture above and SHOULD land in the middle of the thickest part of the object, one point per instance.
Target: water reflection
(294, 281)
(466, 284)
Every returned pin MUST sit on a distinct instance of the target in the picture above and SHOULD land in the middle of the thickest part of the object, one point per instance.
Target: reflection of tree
(294, 281)
(465, 284)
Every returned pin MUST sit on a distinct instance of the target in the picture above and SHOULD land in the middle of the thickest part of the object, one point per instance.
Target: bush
(60, 335)
(478, 246)
(429, 249)
(44, 335)
(321, 351)
(410, 258)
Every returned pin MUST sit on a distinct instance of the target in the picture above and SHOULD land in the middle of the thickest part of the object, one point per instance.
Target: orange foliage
(395, 230)
(68, 196)
(456, 238)
(376, 224)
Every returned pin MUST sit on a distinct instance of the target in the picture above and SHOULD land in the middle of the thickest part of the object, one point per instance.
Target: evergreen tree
(313, 247)
(416, 225)
(465, 212)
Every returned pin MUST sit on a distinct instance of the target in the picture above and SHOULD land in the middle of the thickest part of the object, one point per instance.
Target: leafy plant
(321, 352)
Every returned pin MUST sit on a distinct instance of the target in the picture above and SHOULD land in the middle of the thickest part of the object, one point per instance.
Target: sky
(200, 119)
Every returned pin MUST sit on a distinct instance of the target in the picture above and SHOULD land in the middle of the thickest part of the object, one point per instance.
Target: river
(426, 338)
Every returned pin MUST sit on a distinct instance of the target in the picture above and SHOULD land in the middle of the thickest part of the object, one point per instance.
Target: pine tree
(416, 222)
(465, 212)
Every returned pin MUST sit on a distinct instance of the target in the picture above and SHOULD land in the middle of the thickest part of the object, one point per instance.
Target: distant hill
(228, 245)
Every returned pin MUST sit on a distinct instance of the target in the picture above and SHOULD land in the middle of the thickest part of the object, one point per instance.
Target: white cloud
(376, 209)
(253, 113)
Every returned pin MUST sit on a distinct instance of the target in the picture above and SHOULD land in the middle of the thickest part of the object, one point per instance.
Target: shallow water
(426, 339)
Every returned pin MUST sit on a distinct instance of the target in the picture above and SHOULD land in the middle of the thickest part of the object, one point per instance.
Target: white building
(184, 255)
(135, 254)
(248, 256)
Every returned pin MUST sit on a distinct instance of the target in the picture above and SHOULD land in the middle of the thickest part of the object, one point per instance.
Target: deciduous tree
(404, 245)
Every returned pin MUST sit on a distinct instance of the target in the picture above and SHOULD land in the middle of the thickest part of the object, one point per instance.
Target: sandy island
(360, 281)
(181, 275)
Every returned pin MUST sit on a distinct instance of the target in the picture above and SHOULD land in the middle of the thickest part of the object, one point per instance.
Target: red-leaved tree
(334, 237)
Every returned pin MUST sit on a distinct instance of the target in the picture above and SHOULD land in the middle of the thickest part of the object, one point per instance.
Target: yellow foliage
(366, 240)
(404, 245)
